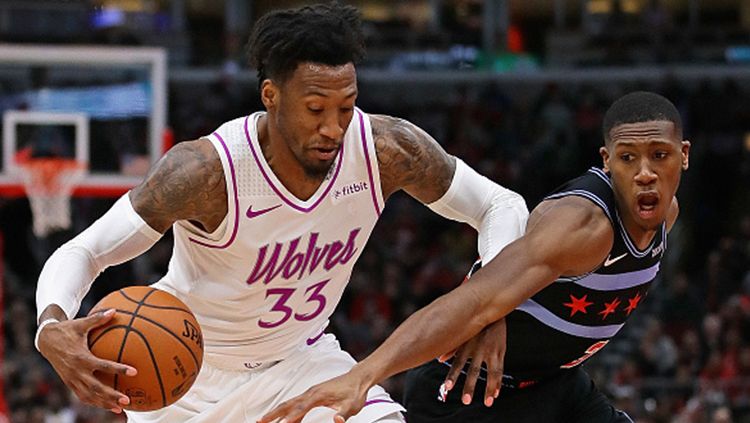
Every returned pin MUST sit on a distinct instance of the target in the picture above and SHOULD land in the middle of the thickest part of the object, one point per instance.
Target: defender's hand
(487, 347)
(346, 394)
(65, 346)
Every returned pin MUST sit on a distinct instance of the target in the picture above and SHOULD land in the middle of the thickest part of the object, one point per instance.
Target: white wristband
(39, 330)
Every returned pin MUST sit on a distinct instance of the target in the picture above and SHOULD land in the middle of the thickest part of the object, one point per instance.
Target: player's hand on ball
(346, 394)
(487, 347)
(65, 346)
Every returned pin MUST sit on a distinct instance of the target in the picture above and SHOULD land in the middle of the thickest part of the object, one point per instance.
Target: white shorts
(236, 396)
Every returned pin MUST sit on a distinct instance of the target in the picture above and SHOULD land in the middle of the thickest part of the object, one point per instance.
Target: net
(49, 184)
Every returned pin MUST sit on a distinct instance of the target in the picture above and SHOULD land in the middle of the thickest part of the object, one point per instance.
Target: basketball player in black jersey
(585, 263)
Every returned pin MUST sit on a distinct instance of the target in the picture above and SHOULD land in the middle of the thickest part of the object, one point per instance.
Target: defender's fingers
(471, 380)
(500, 366)
(447, 356)
(458, 364)
(494, 381)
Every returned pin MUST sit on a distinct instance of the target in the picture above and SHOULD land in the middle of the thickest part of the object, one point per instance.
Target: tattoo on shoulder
(187, 183)
(410, 159)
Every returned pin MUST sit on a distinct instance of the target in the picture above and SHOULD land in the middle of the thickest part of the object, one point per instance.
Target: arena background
(515, 88)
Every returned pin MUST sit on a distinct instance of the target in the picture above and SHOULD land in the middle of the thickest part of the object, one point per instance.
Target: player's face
(645, 161)
(314, 109)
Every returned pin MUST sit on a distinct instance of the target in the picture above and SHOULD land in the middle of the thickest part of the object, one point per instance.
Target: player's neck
(284, 165)
(641, 237)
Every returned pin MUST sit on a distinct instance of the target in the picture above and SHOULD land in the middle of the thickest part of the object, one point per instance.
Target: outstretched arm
(566, 236)
(571, 237)
(186, 184)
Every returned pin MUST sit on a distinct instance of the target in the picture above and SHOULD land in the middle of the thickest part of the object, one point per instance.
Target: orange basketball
(157, 334)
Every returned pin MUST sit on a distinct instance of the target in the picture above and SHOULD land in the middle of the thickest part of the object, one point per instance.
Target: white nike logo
(609, 260)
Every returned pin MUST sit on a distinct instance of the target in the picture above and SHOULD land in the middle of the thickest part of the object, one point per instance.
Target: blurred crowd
(683, 357)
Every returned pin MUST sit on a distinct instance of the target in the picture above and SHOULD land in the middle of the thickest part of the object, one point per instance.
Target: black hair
(330, 34)
(640, 106)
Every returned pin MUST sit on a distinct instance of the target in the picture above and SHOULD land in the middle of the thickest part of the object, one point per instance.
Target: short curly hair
(330, 34)
(640, 106)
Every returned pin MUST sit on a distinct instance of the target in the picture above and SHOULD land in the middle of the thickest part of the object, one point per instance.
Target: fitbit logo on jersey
(350, 189)
(298, 262)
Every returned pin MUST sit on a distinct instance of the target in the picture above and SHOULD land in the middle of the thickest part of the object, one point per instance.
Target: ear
(685, 154)
(269, 94)
(605, 158)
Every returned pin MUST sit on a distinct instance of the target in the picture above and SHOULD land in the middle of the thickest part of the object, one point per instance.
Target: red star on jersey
(577, 304)
(609, 308)
(633, 303)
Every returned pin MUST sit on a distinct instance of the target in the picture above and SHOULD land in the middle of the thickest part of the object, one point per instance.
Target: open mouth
(647, 204)
(325, 154)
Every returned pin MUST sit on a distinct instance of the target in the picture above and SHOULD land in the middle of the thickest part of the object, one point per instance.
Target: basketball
(155, 332)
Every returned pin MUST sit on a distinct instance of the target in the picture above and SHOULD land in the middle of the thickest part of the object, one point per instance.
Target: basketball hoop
(49, 183)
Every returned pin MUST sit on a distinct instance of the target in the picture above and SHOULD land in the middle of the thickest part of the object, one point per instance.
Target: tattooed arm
(187, 184)
(410, 159)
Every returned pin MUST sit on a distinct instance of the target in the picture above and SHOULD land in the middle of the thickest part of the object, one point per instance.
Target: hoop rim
(60, 162)
(50, 176)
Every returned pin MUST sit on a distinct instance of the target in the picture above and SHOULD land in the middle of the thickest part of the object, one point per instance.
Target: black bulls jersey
(575, 316)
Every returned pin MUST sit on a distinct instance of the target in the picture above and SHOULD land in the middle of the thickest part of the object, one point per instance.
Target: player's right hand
(487, 347)
(65, 346)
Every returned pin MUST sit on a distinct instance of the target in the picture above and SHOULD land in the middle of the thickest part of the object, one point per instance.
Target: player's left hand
(487, 347)
(346, 394)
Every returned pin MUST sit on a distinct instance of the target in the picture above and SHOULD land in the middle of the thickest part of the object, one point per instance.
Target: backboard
(103, 106)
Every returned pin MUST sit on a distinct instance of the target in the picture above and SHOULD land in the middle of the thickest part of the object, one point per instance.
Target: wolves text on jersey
(298, 262)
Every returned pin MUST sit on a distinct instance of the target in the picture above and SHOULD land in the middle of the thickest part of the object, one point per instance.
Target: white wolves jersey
(267, 280)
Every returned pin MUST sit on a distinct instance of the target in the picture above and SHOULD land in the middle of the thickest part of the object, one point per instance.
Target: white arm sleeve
(118, 236)
(498, 213)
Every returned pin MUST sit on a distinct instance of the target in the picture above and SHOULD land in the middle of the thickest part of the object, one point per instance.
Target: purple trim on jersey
(367, 160)
(276, 190)
(315, 338)
(236, 201)
(627, 280)
(379, 401)
(550, 319)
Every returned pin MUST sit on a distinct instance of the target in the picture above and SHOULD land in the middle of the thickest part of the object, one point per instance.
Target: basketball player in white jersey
(270, 213)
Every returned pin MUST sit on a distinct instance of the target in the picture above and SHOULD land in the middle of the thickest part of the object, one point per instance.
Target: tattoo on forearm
(188, 183)
(410, 159)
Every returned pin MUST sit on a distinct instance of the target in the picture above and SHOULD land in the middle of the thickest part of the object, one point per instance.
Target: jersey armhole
(371, 159)
(223, 236)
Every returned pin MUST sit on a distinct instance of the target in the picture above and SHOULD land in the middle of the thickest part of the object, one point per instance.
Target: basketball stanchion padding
(155, 332)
